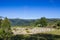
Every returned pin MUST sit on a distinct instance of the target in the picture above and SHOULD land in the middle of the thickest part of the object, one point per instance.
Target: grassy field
(55, 32)
(20, 33)
(37, 30)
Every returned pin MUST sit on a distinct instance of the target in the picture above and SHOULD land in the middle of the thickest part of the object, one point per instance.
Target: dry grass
(35, 30)
(56, 32)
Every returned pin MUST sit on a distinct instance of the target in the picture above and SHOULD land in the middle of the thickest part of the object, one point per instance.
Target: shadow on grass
(35, 37)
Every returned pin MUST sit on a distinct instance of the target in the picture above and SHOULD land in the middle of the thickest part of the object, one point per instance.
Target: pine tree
(6, 29)
(6, 24)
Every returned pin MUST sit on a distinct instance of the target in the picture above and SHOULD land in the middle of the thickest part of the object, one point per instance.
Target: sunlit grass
(55, 32)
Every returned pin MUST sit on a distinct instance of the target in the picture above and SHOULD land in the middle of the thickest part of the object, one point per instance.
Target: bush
(58, 23)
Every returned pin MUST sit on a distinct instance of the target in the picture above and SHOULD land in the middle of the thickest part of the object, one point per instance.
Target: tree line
(44, 22)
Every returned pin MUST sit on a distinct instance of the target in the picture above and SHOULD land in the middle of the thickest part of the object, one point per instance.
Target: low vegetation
(39, 29)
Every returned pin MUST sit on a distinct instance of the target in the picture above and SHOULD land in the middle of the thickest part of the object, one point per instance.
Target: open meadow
(35, 30)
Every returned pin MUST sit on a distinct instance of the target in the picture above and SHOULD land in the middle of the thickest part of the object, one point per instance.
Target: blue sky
(30, 9)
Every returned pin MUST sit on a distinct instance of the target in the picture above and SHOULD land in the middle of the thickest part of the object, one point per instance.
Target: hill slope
(20, 22)
(27, 22)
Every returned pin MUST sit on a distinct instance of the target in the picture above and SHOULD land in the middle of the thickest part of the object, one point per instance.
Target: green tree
(6, 27)
(41, 22)
(0, 21)
(6, 24)
(58, 23)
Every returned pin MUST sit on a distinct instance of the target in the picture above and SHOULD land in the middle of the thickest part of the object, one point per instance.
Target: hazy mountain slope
(27, 22)
(20, 22)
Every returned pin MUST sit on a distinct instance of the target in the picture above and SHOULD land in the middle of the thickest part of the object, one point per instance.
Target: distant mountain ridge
(27, 22)
(21, 22)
